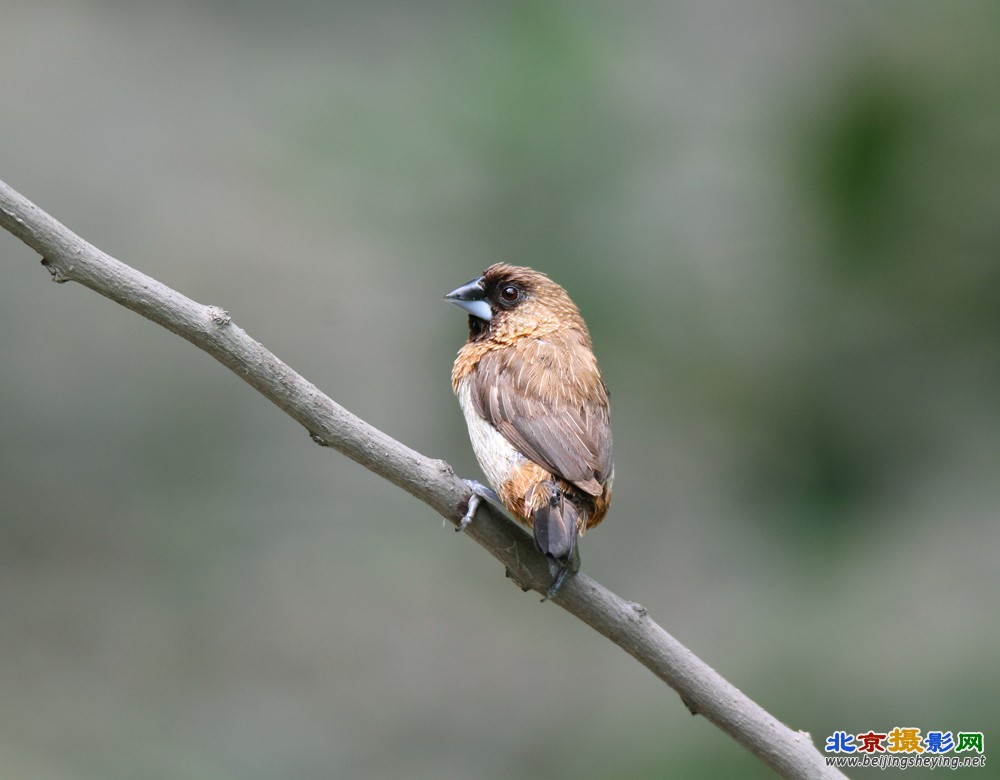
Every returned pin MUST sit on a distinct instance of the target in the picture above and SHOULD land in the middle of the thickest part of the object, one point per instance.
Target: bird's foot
(479, 492)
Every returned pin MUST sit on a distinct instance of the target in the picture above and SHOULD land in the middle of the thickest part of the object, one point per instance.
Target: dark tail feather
(555, 526)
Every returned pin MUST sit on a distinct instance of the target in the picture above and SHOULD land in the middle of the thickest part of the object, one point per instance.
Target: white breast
(497, 457)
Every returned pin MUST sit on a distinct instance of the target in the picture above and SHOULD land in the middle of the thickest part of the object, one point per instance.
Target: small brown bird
(537, 409)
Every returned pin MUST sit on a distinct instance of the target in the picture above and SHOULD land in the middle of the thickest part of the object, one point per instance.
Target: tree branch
(69, 258)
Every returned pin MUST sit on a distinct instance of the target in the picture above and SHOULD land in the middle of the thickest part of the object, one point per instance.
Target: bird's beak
(472, 298)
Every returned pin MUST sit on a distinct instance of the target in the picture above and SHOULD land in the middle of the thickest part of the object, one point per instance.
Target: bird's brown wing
(551, 404)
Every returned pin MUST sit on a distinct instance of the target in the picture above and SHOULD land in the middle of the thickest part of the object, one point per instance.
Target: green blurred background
(782, 223)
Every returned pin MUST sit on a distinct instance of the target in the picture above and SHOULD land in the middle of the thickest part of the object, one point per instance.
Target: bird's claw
(479, 492)
(560, 569)
(470, 513)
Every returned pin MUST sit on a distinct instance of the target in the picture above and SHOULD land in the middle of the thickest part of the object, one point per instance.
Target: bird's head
(509, 302)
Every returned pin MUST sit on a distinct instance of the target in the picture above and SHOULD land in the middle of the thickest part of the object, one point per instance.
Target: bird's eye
(509, 294)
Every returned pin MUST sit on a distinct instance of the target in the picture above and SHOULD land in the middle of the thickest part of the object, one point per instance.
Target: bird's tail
(555, 525)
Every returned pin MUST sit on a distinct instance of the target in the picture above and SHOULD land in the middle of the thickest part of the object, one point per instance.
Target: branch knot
(54, 271)
(219, 316)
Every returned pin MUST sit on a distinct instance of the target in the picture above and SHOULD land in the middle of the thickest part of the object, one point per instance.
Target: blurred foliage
(780, 221)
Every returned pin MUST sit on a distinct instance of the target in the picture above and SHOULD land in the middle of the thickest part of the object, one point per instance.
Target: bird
(537, 410)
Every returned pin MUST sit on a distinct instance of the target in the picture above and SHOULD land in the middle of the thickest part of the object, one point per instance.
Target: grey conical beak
(472, 298)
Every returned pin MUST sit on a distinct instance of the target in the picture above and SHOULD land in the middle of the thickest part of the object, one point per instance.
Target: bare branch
(69, 258)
